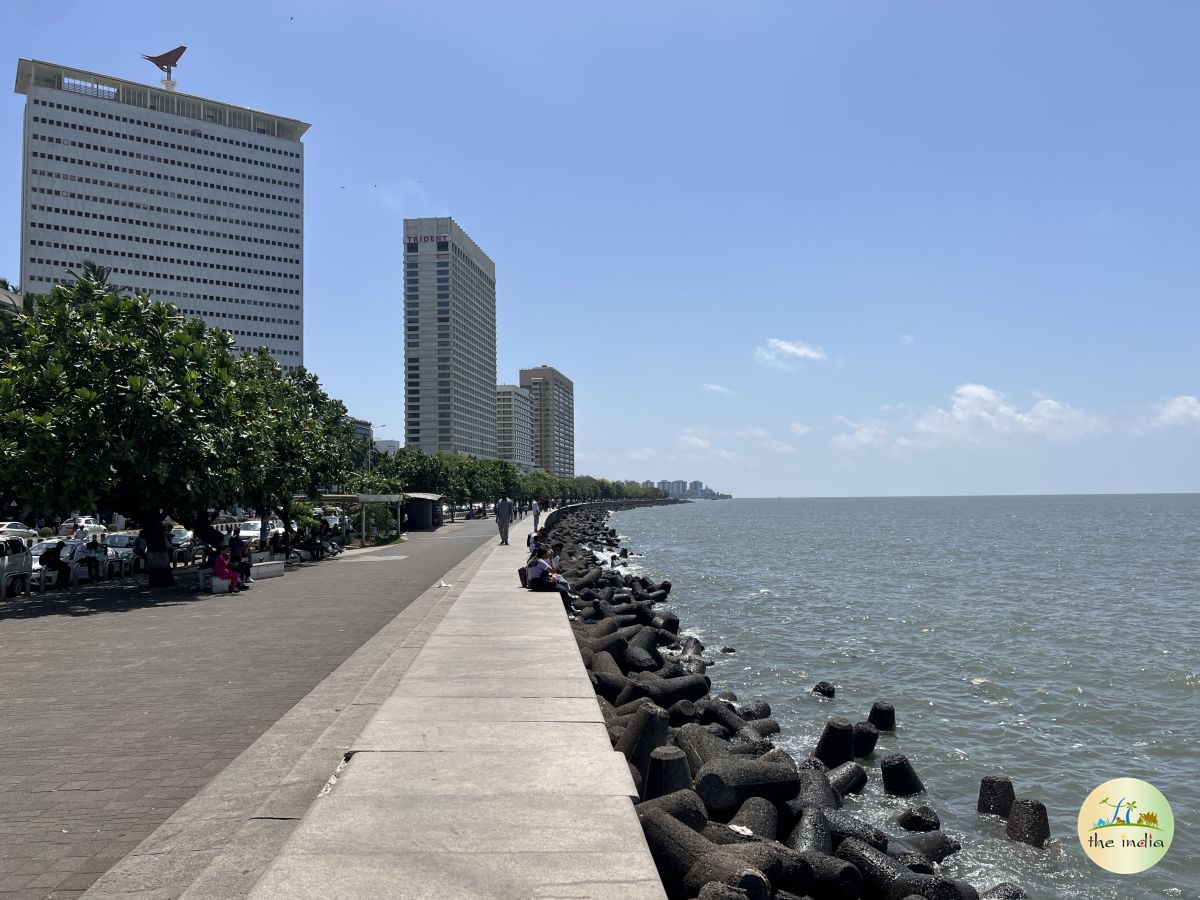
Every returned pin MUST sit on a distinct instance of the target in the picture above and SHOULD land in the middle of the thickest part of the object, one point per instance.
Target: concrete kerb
(480, 772)
(219, 843)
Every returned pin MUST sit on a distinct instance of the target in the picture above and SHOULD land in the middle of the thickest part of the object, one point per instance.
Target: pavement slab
(487, 772)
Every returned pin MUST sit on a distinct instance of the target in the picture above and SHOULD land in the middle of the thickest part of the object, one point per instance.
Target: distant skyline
(783, 248)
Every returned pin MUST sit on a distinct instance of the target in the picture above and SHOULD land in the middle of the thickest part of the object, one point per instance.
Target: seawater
(1055, 640)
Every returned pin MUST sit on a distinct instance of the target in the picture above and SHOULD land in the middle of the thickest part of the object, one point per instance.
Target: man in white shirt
(537, 514)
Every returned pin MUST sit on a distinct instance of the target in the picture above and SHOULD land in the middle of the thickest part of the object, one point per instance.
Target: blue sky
(785, 248)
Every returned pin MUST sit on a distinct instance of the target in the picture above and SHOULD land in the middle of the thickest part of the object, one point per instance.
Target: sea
(1051, 639)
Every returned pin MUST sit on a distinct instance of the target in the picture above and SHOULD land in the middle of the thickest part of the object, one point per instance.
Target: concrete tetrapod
(836, 744)
(996, 796)
(899, 777)
(886, 879)
(667, 772)
(726, 783)
(1028, 822)
(687, 861)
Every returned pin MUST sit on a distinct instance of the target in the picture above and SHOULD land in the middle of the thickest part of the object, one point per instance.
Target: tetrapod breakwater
(726, 813)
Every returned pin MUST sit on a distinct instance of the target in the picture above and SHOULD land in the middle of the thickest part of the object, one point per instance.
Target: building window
(410, 248)
(443, 246)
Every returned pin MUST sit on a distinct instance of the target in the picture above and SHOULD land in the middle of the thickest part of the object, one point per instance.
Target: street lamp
(371, 447)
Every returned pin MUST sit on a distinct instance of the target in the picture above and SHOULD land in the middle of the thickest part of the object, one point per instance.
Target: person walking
(504, 511)
(537, 514)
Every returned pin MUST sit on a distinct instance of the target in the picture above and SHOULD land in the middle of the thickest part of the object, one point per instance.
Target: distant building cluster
(452, 403)
(199, 203)
(687, 490)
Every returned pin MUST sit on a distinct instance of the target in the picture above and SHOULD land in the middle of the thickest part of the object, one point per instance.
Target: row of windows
(124, 220)
(161, 160)
(168, 277)
(174, 260)
(235, 331)
(244, 160)
(192, 132)
(178, 245)
(151, 207)
(466, 258)
(205, 184)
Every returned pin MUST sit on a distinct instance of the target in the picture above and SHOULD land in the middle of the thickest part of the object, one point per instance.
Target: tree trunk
(158, 555)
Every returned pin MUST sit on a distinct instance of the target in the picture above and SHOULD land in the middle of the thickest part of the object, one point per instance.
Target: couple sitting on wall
(542, 574)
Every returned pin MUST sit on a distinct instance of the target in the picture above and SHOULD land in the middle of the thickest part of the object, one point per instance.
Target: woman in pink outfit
(221, 570)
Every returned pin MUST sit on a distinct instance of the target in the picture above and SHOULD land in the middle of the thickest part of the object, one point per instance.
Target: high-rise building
(449, 340)
(191, 201)
(514, 426)
(553, 419)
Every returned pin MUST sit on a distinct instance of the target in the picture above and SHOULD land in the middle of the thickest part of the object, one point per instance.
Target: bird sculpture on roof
(166, 61)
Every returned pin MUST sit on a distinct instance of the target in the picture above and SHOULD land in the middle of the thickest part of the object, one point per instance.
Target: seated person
(222, 569)
(540, 578)
(52, 559)
(83, 553)
(99, 552)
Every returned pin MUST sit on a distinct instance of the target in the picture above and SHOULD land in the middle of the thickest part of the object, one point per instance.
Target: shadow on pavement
(91, 600)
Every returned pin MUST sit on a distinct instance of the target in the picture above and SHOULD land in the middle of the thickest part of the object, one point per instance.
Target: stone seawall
(726, 814)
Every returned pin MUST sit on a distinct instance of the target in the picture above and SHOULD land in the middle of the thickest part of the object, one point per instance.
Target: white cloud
(691, 442)
(749, 431)
(800, 428)
(778, 447)
(907, 338)
(869, 434)
(639, 453)
(718, 389)
(779, 354)
(978, 413)
(1181, 410)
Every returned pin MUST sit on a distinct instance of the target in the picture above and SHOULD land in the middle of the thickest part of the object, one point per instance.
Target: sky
(787, 248)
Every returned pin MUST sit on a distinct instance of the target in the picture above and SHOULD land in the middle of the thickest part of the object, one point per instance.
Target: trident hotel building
(189, 201)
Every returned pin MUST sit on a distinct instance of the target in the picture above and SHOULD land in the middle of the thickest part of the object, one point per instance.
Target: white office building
(514, 426)
(449, 340)
(190, 201)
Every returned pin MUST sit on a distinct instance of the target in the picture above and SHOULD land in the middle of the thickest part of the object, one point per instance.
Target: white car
(17, 530)
(16, 565)
(90, 525)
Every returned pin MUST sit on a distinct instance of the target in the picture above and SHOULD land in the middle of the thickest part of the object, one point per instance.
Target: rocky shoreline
(726, 814)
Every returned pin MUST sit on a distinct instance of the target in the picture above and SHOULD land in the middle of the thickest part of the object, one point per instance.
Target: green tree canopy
(114, 402)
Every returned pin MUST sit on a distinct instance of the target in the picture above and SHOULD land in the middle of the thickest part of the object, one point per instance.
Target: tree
(295, 439)
(114, 402)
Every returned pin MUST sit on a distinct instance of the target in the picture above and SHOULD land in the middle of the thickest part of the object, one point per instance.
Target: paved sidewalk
(116, 707)
(486, 773)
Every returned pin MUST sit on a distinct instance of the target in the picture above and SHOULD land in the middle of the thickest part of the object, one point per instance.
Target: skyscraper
(514, 426)
(449, 340)
(553, 419)
(194, 202)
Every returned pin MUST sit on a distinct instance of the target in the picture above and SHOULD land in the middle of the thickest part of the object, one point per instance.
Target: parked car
(17, 530)
(120, 546)
(16, 565)
(180, 536)
(110, 564)
(89, 524)
(41, 547)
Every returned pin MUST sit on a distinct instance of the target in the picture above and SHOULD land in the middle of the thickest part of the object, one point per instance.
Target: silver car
(17, 530)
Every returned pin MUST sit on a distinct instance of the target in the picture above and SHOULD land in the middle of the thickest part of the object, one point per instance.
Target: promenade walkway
(486, 773)
(458, 753)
